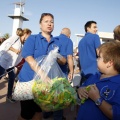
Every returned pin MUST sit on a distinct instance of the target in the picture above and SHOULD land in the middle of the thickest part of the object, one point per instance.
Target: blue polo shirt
(109, 89)
(87, 53)
(35, 46)
(66, 48)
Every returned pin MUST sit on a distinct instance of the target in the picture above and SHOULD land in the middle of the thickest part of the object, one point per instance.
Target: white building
(18, 16)
(104, 37)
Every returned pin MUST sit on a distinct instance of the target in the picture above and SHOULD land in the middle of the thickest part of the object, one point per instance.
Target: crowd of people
(98, 67)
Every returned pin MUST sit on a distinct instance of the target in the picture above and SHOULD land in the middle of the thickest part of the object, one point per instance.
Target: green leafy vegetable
(84, 99)
(55, 96)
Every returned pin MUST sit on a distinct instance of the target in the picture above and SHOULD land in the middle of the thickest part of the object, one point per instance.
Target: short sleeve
(66, 48)
(70, 48)
(7, 43)
(97, 41)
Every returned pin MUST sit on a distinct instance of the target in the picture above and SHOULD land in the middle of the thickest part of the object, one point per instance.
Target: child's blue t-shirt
(109, 89)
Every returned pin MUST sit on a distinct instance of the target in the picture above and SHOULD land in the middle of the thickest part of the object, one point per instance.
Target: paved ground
(10, 111)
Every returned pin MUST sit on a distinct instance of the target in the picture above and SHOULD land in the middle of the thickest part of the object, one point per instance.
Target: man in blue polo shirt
(66, 50)
(87, 50)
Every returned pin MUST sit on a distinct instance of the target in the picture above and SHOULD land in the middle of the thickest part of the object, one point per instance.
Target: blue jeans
(11, 75)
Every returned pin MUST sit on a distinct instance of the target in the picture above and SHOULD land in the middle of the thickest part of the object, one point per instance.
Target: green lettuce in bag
(55, 96)
(57, 93)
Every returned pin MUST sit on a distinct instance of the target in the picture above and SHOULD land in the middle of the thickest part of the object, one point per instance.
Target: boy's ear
(110, 63)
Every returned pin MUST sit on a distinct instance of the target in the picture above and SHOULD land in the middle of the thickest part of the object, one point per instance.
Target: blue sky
(67, 13)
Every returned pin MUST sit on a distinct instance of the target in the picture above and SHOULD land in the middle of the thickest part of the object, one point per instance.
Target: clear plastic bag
(23, 91)
(56, 93)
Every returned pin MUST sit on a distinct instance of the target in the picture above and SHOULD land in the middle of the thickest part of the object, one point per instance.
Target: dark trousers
(11, 75)
(57, 115)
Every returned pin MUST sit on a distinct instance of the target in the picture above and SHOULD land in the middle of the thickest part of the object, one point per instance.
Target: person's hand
(93, 92)
(44, 77)
(82, 92)
(70, 76)
(17, 51)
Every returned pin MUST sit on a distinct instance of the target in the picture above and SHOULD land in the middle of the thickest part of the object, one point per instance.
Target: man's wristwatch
(98, 102)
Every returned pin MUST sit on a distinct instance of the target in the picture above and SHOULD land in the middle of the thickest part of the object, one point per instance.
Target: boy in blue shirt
(103, 97)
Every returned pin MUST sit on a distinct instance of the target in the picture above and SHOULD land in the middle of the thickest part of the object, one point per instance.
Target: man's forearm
(61, 61)
(70, 63)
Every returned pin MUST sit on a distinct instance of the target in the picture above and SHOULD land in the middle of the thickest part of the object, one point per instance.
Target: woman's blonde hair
(21, 32)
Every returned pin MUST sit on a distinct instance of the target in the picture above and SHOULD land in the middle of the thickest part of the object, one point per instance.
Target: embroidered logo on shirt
(107, 93)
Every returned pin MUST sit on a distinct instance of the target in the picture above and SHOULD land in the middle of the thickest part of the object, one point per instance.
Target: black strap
(15, 41)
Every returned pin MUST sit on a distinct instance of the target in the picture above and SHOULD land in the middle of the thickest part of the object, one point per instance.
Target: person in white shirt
(10, 56)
